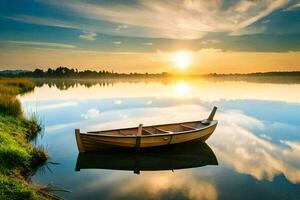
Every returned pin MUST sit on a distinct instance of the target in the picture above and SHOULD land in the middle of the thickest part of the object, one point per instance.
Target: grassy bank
(18, 158)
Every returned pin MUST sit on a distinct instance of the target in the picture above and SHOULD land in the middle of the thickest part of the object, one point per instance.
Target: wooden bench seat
(161, 130)
(146, 132)
(188, 127)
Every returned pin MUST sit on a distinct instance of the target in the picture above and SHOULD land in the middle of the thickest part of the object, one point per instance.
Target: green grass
(15, 150)
(12, 188)
(18, 158)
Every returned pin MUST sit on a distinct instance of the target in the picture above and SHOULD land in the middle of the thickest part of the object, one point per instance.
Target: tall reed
(10, 105)
(19, 84)
(9, 88)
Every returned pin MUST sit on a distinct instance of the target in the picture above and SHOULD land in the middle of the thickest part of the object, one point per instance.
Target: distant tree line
(259, 74)
(65, 72)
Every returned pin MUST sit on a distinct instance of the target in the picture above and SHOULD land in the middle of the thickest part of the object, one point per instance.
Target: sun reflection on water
(206, 90)
(181, 89)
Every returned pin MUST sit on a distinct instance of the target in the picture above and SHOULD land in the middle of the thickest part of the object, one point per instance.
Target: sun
(182, 59)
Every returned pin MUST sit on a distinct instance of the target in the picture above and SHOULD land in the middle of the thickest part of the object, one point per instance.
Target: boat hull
(88, 142)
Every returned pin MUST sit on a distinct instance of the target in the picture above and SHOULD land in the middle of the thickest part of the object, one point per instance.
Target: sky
(183, 36)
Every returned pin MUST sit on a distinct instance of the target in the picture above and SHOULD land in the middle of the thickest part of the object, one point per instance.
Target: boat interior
(157, 129)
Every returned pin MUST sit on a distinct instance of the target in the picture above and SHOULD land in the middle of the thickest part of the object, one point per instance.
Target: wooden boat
(178, 156)
(148, 136)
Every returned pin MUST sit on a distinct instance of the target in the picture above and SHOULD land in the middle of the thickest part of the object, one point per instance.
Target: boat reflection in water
(179, 156)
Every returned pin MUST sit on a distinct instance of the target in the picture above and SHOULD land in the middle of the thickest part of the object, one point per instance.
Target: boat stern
(79, 141)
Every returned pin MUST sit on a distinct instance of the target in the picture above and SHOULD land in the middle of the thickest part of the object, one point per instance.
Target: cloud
(117, 42)
(61, 23)
(248, 31)
(91, 113)
(59, 127)
(124, 116)
(45, 44)
(213, 41)
(210, 50)
(118, 102)
(149, 102)
(148, 43)
(252, 154)
(43, 21)
(57, 105)
(155, 184)
(186, 183)
(122, 26)
(91, 36)
(266, 21)
(149, 116)
(293, 7)
(190, 19)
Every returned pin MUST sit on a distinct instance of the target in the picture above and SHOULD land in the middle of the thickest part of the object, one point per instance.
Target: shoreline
(167, 80)
(19, 158)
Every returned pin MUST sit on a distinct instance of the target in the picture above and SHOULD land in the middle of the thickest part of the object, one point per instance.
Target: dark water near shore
(253, 154)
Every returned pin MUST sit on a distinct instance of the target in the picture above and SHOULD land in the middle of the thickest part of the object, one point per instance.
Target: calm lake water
(253, 154)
